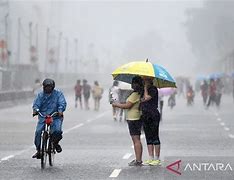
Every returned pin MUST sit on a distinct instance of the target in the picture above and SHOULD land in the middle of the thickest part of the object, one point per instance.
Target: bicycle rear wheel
(44, 149)
(51, 152)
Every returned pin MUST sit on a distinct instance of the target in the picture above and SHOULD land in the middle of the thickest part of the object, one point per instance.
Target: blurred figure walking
(161, 102)
(97, 92)
(78, 93)
(212, 93)
(86, 93)
(219, 91)
(172, 100)
(190, 96)
(114, 97)
(204, 91)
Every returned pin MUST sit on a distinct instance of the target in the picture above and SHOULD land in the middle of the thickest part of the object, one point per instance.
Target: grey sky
(112, 24)
(114, 28)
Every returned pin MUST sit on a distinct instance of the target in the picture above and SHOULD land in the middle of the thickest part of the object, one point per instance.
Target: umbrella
(216, 75)
(127, 71)
(166, 91)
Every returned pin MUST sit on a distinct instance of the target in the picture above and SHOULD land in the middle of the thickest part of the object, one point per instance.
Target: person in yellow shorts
(133, 118)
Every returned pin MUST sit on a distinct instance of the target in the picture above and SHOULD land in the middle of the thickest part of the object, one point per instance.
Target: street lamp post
(76, 57)
(19, 41)
(47, 46)
(30, 40)
(6, 40)
(58, 55)
(66, 55)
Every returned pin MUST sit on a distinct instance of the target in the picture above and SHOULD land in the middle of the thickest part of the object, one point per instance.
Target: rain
(90, 53)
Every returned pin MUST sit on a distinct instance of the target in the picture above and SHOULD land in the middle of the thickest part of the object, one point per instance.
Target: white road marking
(97, 117)
(222, 124)
(16, 154)
(89, 120)
(231, 136)
(66, 131)
(226, 128)
(103, 114)
(75, 127)
(115, 173)
(132, 147)
(142, 136)
(127, 156)
(8, 157)
(219, 119)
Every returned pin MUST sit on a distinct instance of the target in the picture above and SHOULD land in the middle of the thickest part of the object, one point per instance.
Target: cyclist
(48, 101)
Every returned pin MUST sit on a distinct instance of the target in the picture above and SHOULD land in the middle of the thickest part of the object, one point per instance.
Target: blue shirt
(50, 103)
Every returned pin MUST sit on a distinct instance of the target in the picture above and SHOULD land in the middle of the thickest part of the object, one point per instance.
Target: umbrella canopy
(127, 71)
(166, 91)
(216, 75)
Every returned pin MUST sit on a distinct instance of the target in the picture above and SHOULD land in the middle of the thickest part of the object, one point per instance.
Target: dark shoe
(58, 148)
(135, 163)
(37, 155)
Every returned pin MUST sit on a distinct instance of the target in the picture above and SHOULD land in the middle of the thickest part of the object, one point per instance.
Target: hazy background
(189, 38)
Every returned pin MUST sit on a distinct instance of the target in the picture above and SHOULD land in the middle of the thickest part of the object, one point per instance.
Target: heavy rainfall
(116, 89)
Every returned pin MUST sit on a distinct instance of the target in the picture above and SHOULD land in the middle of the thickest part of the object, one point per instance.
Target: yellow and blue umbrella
(127, 71)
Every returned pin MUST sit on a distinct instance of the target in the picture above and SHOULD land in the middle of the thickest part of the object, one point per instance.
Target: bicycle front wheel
(51, 152)
(44, 140)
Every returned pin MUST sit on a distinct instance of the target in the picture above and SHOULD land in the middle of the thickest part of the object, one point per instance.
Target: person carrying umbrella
(133, 118)
(151, 117)
(154, 76)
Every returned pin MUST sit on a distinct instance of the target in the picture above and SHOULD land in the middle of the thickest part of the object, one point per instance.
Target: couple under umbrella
(142, 106)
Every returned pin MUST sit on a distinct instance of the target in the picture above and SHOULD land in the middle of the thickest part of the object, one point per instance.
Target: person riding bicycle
(48, 101)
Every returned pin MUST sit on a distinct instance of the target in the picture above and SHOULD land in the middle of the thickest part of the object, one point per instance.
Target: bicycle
(47, 146)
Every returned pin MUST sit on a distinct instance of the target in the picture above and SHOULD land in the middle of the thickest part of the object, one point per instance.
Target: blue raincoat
(47, 104)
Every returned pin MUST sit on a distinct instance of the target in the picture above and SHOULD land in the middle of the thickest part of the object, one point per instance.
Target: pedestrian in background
(212, 93)
(161, 102)
(78, 92)
(219, 91)
(86, 93)
(204, 91)
(97, 92)
(114, 96)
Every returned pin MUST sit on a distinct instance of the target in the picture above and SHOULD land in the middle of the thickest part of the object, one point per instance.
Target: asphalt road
(96, 147)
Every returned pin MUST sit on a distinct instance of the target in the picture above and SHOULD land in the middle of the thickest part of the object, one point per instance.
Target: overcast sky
(120, 31)
(111, 25)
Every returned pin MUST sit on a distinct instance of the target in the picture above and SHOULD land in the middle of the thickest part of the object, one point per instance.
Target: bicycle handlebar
(52, 115)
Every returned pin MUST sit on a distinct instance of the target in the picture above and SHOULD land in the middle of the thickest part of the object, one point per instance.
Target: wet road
(96, 147)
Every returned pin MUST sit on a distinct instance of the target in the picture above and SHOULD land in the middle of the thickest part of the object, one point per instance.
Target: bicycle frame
(47, 147)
